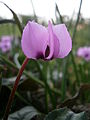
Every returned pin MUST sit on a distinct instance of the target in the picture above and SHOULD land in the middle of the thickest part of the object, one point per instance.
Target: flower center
(47, 52)
(40, 56)
(86, 55)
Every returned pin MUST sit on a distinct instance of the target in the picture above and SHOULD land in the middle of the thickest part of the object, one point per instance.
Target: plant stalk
(11, 97)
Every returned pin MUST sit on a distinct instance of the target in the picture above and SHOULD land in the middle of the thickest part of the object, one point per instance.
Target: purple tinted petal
(5, 46)
(56, 47)
(84, 52)
(80, 52)
(64, 39)
(34, 40)
(6, 38)
(53, 43)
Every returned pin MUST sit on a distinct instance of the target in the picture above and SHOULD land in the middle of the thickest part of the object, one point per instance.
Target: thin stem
(64, 79)
(34, 11)
(46, 98)
(75, 69)
(72, 56)
(60, 16)
(73, 37)
(77, 21)
(14, 89)
(48, 92)
(44, 74)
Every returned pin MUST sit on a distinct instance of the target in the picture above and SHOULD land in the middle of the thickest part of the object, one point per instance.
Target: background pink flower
(5, 43)
(84, 52)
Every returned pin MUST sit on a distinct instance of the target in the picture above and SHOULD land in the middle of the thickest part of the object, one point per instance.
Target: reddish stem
(11, 97)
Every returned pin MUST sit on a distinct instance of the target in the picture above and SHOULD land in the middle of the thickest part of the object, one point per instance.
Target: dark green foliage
(65, 114)
(26, 113)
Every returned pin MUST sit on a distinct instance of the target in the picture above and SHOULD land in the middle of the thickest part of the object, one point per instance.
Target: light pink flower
(46, 42)
(84, 52)
(5, 43)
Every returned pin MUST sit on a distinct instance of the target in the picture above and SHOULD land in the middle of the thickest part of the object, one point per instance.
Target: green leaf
(65, 114)
(26, 113)
(60, 17)
(15, 17)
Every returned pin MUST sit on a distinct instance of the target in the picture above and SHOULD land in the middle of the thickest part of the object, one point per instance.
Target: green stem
(44, 74)
(48, 92)
(73, 37)
(14, 90)
(60, 16)
(72, 56)
(46, 98)
(47, 88)
(74, 32)
(64, 82)
(39, 69)
(75, 69)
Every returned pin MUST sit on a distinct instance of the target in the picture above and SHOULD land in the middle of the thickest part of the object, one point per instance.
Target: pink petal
(34, 40)
(64, 39)
(53, 42)
(80, 51)
(6, 38)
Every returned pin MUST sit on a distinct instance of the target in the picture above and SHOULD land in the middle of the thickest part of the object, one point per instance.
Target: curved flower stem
(14, 89)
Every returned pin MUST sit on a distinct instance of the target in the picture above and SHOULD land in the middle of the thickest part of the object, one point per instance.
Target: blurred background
(64, 76)
(45, 10)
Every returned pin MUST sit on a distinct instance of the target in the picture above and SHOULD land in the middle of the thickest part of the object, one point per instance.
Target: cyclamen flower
(5, 43)
(40, 42)
(45, 42)
(84, 52)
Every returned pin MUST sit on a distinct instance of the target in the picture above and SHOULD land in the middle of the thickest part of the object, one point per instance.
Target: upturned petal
(50, 41)
(53, 43)
(64, 40)
(34, 40)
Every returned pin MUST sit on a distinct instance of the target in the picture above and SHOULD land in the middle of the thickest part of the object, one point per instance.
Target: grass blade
(15, 17)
